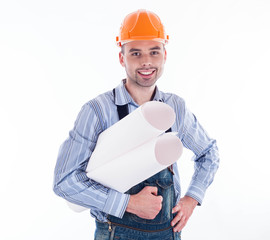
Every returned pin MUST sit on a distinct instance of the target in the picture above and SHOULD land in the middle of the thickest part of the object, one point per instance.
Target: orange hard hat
(141, 25)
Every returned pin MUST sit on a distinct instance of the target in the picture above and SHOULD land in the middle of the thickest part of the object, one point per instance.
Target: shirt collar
(158, 95)
(122, 97)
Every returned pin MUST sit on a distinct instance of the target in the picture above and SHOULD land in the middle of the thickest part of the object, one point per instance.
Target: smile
(146, 72)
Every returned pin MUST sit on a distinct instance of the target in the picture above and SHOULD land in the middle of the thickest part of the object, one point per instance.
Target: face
(144, 62)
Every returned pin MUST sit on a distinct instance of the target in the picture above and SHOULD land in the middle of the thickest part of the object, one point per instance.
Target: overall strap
(169, 130)
(171, 166)
(121, 109)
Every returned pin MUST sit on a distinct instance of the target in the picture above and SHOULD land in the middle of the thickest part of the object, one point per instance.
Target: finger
(177, 218)
(180, 225)
(176, 208)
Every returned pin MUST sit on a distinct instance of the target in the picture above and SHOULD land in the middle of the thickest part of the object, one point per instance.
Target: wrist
(191, 200)
(130, 207)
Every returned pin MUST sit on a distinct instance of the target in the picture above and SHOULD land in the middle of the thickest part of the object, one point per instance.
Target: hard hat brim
(121, 43)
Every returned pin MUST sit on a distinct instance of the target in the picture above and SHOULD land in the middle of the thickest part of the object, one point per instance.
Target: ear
(165, 55)
(121, 59)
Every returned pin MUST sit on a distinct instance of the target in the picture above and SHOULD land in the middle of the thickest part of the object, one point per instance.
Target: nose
(146, 62)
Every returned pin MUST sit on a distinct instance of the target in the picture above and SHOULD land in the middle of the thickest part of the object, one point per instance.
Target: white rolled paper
(135, 166)
(146, 122)
(75, 207)
(134, 149)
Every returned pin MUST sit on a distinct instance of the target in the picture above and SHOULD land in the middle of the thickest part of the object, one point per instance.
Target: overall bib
(132, 227)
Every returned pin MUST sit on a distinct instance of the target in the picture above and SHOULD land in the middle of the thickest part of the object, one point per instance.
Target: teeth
(146, 73)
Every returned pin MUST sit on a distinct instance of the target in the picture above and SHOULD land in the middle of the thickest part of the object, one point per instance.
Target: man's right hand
(145, 204)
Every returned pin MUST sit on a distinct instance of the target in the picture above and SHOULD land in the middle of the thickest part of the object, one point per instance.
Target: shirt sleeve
(206, 159)
(70, 179)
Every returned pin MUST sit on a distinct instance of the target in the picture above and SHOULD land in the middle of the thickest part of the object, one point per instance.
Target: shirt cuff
(196, 190)
(116, 203)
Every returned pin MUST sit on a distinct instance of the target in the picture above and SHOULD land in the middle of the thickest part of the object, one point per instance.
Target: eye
(154, 52)
(136, 54)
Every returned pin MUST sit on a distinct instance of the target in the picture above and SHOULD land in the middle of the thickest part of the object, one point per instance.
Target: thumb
(153, 190)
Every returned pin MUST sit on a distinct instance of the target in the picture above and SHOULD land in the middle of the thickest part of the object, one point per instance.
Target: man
(152, 209)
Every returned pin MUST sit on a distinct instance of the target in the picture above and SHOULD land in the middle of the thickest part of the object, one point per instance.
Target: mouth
(147, 73)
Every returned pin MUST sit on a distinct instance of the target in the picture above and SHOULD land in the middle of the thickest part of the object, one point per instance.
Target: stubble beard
(143, 82)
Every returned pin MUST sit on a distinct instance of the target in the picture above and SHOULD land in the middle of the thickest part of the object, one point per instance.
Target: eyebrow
(139, 50)
(134, 50)
(155, 48)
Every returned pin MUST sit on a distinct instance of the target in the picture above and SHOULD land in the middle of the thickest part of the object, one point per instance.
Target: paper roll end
(158, 114)
(75, 207)
(168, 149)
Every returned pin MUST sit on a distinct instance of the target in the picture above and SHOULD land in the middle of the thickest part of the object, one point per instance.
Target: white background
(55, 55)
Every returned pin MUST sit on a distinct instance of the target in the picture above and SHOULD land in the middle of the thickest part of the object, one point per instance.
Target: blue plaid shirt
(70, 180)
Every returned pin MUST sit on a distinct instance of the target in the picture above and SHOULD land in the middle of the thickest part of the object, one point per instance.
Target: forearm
(70, 179)
(206, 160)
(206, 166)
(76, 187)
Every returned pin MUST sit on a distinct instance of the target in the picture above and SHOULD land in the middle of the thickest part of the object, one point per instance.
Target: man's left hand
(184, 209)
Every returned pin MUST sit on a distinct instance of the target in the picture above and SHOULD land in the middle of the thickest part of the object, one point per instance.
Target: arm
(206, 162)
(206, 159)
(70, 180)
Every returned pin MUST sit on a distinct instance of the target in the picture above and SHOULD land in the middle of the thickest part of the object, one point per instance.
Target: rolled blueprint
(137, 165)
(143, 124)
(134, 149)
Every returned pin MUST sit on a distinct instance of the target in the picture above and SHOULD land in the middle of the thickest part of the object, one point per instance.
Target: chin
(147, 84)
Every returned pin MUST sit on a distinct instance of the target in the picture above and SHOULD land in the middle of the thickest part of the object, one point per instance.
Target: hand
(184, 210)
(145, 204)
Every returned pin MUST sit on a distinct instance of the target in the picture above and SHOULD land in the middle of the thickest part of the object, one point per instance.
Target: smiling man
(144, 63)
(154, 208)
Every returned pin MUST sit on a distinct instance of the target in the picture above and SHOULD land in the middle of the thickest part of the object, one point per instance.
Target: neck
(140, 94)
